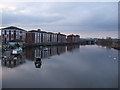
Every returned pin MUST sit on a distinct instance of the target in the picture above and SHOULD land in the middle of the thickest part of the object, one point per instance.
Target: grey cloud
(64, 17)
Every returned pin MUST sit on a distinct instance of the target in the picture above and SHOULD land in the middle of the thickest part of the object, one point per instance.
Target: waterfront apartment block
(12, 35)
(73, 38)
(38, 36)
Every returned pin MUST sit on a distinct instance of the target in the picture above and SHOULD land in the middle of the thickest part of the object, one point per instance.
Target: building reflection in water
(44, 52)
(70, 48)
(12, 61)
(33, 54)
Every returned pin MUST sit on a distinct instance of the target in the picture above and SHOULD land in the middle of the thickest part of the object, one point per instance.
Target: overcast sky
(88, 19)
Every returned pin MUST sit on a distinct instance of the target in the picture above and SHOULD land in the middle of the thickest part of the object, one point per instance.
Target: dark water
(62, 67)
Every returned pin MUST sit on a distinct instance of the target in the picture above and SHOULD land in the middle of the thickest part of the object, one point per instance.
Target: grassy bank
(115, 46)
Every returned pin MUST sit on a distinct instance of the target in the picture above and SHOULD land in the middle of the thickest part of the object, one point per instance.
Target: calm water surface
(76, 66)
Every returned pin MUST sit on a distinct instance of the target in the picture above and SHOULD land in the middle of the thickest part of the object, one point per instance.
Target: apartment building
(13, 34)
(73, 38)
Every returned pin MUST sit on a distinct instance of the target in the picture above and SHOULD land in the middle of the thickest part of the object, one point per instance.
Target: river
(73, 66)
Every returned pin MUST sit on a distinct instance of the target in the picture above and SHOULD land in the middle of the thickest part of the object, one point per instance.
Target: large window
(7, 35)
(17, 34)
(12, 35)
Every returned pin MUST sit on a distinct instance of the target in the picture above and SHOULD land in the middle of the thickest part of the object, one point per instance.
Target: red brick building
(61, 38)
(38, 36)
(73, 38)
(30, 38)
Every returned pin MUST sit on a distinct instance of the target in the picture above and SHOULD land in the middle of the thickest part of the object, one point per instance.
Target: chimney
(39, 30)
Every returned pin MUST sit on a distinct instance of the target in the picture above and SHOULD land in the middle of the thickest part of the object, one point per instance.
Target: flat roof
(37, 31)
(73, 35)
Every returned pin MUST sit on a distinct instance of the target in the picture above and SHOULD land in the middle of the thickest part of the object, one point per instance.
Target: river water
(75, 66)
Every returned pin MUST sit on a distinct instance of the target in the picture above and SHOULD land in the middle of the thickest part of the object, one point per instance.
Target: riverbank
(110, 45)
(108, 42)
(49, 44)
(115, 46)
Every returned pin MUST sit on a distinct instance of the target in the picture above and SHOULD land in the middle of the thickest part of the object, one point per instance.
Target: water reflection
(71, 48)
(44, 52)
(13, 61)
(68, 67)
(10, 60)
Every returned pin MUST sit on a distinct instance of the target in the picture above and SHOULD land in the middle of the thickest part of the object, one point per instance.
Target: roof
(33, 31)
(61, 34)
(13, 27)
(73, 35)
(70, 35)
(37, 31)
(77, 36)
(50, 32)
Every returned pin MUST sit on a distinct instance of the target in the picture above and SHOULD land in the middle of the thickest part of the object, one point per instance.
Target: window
(12, 35)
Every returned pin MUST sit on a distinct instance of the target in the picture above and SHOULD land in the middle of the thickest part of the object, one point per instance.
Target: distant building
(73, 38)
(12, 35)
(77, 38)
(61, 38)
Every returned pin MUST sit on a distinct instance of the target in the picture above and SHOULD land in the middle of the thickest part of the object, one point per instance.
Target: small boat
(38, 62)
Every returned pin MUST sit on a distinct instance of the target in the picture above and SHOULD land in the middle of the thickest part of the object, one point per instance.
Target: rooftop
(73, 35)
(37, 31)
(13, 27)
